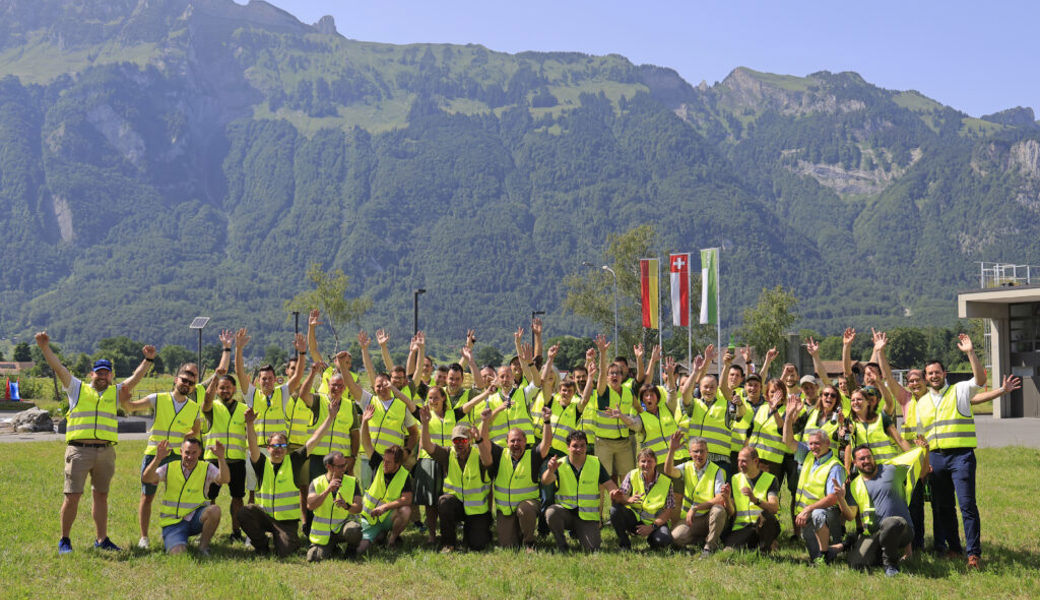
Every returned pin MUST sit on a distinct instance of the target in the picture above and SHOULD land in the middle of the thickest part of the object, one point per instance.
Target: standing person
(945, 414)
(879, 504)
(875, 430)
(184, 511)
(333, 497)
(91, 433)
(225, 418)
(645, 505)
(754, 502)
(269, 402)
(177, 416)
(428, 473)
(614, 401)
(517, 398)
(816, 497)
(703, 486)
(712, 415)
(277, 510)
(579, 479)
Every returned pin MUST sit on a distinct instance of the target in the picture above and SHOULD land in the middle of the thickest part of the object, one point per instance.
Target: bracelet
(479, 440)
(227, 349)
(149, 359)
(547, 422)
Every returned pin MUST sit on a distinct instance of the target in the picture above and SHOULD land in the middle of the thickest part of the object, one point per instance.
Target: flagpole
(718, 310)
(689, 315)
(660, 326)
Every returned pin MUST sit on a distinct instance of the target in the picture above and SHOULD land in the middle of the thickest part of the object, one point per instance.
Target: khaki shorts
(99, 462)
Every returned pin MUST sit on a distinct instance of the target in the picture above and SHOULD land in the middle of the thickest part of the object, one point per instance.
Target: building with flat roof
(1008, 301)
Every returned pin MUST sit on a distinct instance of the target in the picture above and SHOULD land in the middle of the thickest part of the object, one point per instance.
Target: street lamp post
(415, 306)
(611, 271)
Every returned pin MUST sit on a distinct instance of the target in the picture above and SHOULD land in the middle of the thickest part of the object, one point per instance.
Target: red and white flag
(679, 268)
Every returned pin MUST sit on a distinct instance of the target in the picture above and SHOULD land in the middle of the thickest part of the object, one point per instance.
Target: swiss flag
(679, 270)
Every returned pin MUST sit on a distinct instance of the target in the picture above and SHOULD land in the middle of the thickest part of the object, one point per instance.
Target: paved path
(993, 433)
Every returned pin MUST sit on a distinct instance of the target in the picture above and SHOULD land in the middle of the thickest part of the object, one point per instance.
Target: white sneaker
(143, 543)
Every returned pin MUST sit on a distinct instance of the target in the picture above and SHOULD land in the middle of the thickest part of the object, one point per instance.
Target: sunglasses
(829, 395)
(187, 381)
(278, 445)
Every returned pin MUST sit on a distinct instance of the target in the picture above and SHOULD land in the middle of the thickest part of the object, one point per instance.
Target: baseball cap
(102, 363)
(459, 431)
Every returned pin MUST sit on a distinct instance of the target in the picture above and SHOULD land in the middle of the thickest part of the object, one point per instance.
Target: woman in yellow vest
(429, 477)
(875, 430)
(657, 423)
(646, 504)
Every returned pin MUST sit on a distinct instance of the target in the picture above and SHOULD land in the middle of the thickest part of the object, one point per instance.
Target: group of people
(691, 460)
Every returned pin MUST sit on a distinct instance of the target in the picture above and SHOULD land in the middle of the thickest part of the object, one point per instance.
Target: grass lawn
(31, 480)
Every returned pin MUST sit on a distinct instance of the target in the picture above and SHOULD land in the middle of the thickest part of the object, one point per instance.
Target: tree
(330, 297)
(766, 323)
(590, 294)
(488, 355)
(175, 355)
(276, 356)
(81, 366)
(124, 353)
(907, 347)
(572, 351)
(22, 353)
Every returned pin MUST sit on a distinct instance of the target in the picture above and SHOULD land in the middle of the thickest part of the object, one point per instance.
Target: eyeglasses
(278, 446)
(829, 395)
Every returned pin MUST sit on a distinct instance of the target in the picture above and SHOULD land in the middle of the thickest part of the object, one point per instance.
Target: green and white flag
(709, 286)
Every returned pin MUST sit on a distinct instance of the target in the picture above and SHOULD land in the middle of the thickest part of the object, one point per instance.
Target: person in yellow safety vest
(406, 378)
(646, 504)
(333, 497)
(177, 416)
(703, 488)
(277, 510)
(767, 429)
(578, 478)
(712, 415)
(877, 431)
(387, 502)
(515, 474)
(754, 502)
(585, 376)
(946, 415)
(614, 399)
(269, 401)
(735, 378)
(816, 499)
(467, 483)
(91, 433)
(872, 374)
(184, 511)
(657, 422)
(393, 422)
(428, 474)
(226, 423)
(458, 396)
(878, 502)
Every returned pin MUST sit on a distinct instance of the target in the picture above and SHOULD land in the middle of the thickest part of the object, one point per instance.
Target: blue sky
(976, 57)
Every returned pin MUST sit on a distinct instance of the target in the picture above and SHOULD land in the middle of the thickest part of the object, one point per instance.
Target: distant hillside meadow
(165, 159)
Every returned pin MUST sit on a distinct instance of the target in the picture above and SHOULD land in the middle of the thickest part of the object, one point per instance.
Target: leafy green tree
(572, 351)
(488, 355)
(175, 355)
(766, 323)
(330, 297)
(22, 353)
(907, 347)
(40, 366)
(124, 353)
(276, 356)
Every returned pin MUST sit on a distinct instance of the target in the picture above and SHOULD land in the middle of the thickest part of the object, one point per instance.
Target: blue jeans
(953, 472)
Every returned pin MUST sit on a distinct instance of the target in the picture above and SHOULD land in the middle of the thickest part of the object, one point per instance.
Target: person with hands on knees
(184, 510)
(387, 503)
(578, 479)
(704, 491)
(646, 504)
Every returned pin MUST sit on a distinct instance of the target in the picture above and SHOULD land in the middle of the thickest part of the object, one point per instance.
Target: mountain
(163, 159)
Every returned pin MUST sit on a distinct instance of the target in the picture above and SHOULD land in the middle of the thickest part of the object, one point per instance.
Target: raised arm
(847, 337)
(313, 320)
(126, 389)
(481, 397)
(977, 370)
(307, 391)
(44, 342)
(526, 356)
(674, 443)
(241, 340)
(211, 389)
(546, 381)
(254, 448)
(771, 355)
(300, 343)
(366, 436)
(366, 358)
(536, 331)
(474, 370)
(150, 476)
(601, 346)
(590, 383)
(727, 360)
(1011, 383)
(637, 352)
(334, 406)
(546, 444)
(888, 392)
(425, 440)
(790, 416)
(813, 348)
(420, 358)
(902, 394)
(649, 373)
(383, 339)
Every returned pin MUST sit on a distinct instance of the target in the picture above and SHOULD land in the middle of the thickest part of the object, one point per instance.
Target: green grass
(30, 475)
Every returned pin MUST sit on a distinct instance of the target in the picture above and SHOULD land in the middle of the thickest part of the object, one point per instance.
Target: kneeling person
(704, 490)
(184, 511)
(387, 507)
(646, 504)
(333, 497)
(754, 503)
(579, 479)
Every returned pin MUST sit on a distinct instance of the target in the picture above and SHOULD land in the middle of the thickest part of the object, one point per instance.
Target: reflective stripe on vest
(270, 414)
(329, 518)
(653, 502)
(812, 481)
(298, 421)
(909, 428)
(766, 437)
(513, 485)
(278, 494)
(228, 429)
(378, 493)
(94, 417)
(657, 432)
(874, 436)
(580, 493)
(182, 496)
(471, 485)
(337, 438)
(516, 416)
(607, 427)
(709, 422)
(387, 425)
(440, 430)
(946, 428)
(747, 513)
(170, 424)
(698, 490)
(564, 420)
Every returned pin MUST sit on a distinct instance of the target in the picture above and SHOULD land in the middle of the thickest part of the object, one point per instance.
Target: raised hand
(812, 346)
(602, 343)
(370, 411)
(848, 336)
(776, 398)
(471, 337)
(553, 350)
(669, 365)
(839, 487)
(314, 318)
(162, 450)
(710, 354)
(771, 354)
(727, 357)
(300, 343)
(467, 353)
(42, 339)
(880, 339)
(546, 413)
(334, 405)
(218, 449)
(553, 464)
(698, 362)
(637, 351)
(655, 354)
(590, 355)
(227, 337)
(745, 353)
(221, 371)
(382, 337)
(964, 343)
(149, 352)
(1011, 383)
(526, 353)
(319, 366)
(242, 338)
(249, 416)
(536, 326)
(363, 339)
(424, 415)
(675, 442)
(341, 356)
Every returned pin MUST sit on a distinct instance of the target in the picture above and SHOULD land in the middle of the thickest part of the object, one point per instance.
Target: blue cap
(102, 363)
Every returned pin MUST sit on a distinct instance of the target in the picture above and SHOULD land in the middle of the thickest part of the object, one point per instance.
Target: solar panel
(198, 323)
